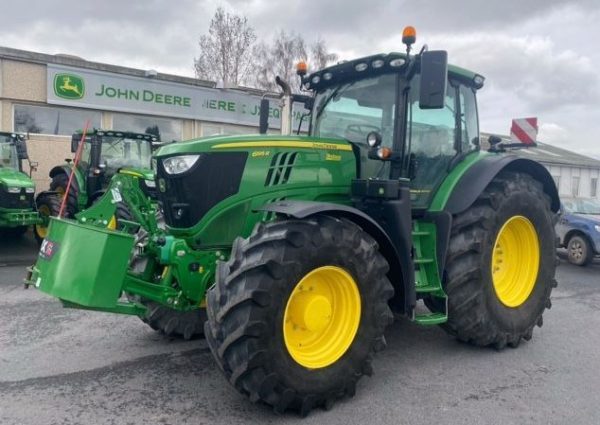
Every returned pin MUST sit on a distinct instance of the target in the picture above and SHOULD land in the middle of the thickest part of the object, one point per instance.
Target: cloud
(539, 56)
(552, 133)
(528, 68)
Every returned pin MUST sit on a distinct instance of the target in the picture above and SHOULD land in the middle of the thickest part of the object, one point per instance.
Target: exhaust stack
(286, 107)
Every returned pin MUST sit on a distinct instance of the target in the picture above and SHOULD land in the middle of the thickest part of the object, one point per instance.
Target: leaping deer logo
(69, 86)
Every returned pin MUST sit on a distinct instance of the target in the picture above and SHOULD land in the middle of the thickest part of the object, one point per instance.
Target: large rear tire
(298, 311)
(501, 263)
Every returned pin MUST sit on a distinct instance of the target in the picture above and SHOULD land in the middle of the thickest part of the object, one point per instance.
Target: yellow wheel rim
(322, 317)
(40, 229)
(515, 261)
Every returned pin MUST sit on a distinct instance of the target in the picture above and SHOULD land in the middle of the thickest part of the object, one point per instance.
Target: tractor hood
(14, 178)
(143, 173)
(251, 142)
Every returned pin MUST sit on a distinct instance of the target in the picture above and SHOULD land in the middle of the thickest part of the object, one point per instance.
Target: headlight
(30, 189)
(14, 190)
(150, 183)
(179, 164)
(597, 227)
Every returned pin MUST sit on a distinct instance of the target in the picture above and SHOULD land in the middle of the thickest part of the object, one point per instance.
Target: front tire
(48, 205)
(174, 323)
(501, 263)
(59, 184)
(298, 311)
(579, 251)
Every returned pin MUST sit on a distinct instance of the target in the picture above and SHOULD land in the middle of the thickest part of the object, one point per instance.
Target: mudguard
(476, 179)
(401, 270)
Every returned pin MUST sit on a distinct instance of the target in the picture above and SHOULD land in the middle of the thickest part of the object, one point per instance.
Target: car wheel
(579, 251)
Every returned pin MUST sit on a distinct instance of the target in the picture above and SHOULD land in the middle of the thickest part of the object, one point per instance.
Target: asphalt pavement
(61, 366)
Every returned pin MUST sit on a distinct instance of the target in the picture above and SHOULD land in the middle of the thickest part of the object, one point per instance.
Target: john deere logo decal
(69, 86)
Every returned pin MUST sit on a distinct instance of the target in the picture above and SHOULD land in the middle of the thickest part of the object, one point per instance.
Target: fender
(59, 169)
(401, 273)
(480, 174)
(65, 169)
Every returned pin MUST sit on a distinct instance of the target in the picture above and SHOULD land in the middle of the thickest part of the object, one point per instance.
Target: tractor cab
(409, 117)
(106, 152)
(17, 210)
(12, 151)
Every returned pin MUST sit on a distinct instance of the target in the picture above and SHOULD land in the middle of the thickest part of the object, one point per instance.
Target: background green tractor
(302, 249)
(17, 208)
(104, 152)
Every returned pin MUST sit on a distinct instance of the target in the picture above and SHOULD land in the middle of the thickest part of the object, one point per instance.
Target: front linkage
(160, 270)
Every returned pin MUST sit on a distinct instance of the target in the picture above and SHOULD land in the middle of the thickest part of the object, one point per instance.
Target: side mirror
(434, 77)
(75, 142)
(21, 149)
(263, 124)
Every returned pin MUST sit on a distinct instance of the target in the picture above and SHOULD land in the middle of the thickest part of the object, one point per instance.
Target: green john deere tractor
(302, 249)
(17, 207)
(103, 153)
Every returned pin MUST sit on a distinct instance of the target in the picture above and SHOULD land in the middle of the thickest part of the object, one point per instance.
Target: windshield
(8, 153)
(120, 152)
(353, 110)
(582, 206)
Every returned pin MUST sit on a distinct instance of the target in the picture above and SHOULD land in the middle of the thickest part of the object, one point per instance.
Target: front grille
(21, 200)
(186, 197)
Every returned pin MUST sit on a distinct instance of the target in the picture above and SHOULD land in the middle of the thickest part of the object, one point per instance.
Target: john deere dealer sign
(85, 88)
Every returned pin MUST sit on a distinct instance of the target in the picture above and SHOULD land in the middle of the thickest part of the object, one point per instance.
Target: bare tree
(225, 51)
(281, 56)
(278, 58)
(320, 56)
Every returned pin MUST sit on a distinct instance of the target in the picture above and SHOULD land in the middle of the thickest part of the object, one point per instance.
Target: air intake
(280, 168)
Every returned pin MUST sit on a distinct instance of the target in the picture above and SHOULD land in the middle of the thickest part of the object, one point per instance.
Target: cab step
(427, 277)
(428, 319)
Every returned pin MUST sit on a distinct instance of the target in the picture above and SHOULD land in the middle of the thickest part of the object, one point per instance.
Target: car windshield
(582, 206)
(8, 153)
(123, 152)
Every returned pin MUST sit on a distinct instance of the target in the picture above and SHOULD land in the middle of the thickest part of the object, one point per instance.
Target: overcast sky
(540, 57)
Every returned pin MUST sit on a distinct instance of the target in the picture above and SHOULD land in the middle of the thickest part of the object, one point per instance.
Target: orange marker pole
(75, 163)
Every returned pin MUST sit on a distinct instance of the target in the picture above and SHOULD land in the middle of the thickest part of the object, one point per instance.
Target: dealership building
(50, 96)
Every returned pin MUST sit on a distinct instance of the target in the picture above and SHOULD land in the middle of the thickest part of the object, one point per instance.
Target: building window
(557, 182)
(167, 129)
(53, 120)
(575, 186)
(594, 187)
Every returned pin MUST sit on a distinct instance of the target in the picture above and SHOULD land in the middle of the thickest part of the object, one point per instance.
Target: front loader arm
(124, 190)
